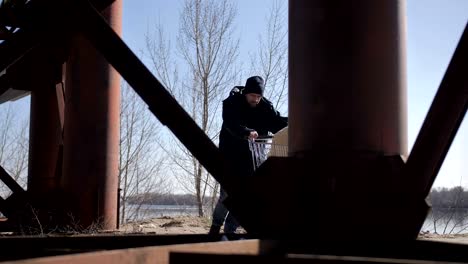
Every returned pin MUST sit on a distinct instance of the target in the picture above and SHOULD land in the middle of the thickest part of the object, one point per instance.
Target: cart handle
(261, 139)
(264, 137)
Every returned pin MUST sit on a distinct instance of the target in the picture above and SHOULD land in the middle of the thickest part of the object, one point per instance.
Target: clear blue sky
(433, 30)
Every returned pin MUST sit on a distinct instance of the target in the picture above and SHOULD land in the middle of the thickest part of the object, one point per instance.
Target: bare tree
(19, 155)
(453, 215)
(13, 145)
(141, 160)
(5, 138)
(449, 211)
(209, 51)
(271, 60)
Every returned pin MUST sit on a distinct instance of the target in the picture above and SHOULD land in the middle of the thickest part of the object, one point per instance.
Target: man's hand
(253, 135)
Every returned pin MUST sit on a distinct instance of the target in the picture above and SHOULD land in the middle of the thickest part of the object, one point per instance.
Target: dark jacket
(239, 119)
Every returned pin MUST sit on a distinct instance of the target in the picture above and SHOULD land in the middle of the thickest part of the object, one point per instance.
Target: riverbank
(450, 238)
(185, 224)
(199, 225)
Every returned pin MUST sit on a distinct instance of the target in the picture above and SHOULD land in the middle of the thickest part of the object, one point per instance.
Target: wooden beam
(183, 258)
(249, 251)
(156, 254)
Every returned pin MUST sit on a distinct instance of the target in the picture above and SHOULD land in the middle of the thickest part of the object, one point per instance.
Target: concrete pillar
(91, 139)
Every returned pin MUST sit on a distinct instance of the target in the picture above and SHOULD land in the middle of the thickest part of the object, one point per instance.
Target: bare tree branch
(209, 51)
(272, 60)
(141, 160)
(14, 145)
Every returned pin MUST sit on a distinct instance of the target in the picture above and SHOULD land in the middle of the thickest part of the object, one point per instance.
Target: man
(246, 116)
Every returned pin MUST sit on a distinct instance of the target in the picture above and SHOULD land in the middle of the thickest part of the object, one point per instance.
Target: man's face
(253, 99)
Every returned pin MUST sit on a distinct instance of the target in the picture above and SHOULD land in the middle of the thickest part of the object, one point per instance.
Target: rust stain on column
(91, 140)
(347, 76)
(45, 136)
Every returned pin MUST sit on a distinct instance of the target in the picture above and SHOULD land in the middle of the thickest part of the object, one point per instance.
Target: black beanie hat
(254, 84)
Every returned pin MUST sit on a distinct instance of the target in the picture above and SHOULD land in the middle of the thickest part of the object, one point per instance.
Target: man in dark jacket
(246, 116)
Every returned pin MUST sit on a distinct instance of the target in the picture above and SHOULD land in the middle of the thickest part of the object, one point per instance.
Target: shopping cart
(264, 147)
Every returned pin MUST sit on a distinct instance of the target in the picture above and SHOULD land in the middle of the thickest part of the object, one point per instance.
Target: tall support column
(45, 137)
(347, 130)
(347, 83)
(91, 140)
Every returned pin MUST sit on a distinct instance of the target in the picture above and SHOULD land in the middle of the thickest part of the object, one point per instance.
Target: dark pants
(219, 215)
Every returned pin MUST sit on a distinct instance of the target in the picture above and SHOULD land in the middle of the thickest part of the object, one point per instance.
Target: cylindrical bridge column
(91, 140)
(347, 84)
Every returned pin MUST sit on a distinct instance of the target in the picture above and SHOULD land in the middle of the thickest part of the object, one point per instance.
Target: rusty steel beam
(60, 95)
(101, 4)
(19, 44)
(38, 17)
(9, 181)
(4, 33)
(3, 208)
(5, 84)
(441, 123)
(12, 17)
(19, 17)
(47, 54)
(160, 101)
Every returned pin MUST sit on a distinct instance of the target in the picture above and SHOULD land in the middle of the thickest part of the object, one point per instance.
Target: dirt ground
(169, 225)
(450, 238)
(200, 225)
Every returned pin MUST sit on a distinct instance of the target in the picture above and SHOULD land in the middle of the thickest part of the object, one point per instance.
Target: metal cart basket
(262, 148)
